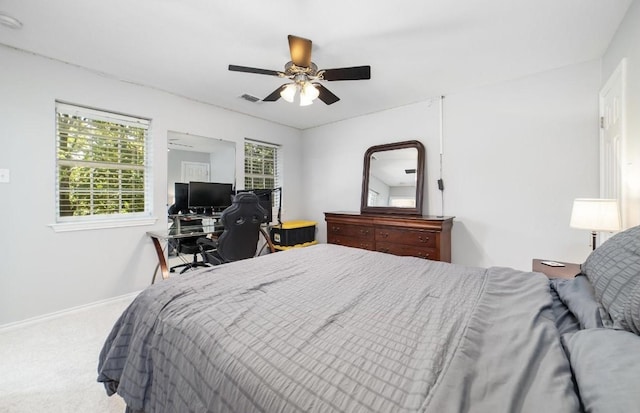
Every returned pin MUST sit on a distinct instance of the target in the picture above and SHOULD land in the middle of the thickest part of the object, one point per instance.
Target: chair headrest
(246, 198)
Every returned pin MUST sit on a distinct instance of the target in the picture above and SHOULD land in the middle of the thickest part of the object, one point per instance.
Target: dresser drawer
(355, 242)
(406, 236)
(349, 230)
(418, 236)
(407, 250)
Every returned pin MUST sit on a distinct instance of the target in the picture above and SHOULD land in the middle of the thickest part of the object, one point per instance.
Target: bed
(329, 328)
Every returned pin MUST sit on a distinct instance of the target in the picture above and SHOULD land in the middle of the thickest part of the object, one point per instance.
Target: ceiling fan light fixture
(305, 100)
(310, 91)
(302, 72)
(289, 92)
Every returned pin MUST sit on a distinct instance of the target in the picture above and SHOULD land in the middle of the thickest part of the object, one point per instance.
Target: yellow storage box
(293, 234)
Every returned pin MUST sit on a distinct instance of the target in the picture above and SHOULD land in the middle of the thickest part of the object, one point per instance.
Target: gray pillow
(605, 365)
(614, 271)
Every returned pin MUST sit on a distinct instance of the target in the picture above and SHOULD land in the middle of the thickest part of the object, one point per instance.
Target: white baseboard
(68, 311)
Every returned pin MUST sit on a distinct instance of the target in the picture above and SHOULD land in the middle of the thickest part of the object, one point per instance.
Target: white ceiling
(193, 143)
(390, 166)
(417, 49)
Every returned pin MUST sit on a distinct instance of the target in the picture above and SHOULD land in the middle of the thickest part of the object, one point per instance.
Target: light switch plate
(5, 176)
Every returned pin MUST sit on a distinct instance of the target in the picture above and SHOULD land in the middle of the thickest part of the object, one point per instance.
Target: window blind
(263, 167)
(102, 164)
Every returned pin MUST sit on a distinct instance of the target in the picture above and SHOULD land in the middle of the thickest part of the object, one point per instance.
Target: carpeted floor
(50, 365)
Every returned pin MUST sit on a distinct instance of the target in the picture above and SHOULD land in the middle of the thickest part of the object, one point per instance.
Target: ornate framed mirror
(393, 179)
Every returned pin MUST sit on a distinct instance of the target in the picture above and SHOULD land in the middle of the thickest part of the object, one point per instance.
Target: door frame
(613, 160)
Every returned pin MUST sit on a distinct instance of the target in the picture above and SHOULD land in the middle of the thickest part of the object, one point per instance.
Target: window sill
(116, 223)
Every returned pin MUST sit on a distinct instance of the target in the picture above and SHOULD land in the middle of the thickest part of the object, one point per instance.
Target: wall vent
(250, 98)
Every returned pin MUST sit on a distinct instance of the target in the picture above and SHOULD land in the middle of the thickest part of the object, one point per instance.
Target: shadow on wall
(465, 249)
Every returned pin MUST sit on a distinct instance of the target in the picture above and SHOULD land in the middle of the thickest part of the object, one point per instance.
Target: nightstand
(570, 270)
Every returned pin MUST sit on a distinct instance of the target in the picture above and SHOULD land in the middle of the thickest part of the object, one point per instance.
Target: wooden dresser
(418, 236)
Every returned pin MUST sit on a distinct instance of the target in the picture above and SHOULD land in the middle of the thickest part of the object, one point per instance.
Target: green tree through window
(260, 165)
(262, 168)
(101, 163)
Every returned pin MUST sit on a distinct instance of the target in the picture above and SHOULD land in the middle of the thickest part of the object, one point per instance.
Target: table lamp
(595, 215)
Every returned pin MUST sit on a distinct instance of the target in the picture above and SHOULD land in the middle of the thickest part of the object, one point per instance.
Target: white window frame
(402, 202)
(276, 196)
(110, 220)
(372, 197)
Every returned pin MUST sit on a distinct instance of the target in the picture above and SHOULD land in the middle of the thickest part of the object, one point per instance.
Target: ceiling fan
(305, 76)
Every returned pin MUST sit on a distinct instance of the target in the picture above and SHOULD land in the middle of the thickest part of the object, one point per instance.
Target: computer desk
(207, 224)
(210, 225)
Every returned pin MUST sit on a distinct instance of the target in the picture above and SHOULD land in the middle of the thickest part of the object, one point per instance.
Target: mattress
(329, 328)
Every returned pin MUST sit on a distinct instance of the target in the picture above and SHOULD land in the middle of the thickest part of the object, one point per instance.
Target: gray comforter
(336, 329)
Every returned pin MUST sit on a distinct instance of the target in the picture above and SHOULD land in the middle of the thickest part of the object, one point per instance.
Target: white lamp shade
(595, 214)
(289, 92)
(305, 100)
(310, 91)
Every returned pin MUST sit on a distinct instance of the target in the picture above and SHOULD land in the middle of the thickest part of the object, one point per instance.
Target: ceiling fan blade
(275, 95)
(300, 50)
(246, 69)
(348, 73)
(325, 94)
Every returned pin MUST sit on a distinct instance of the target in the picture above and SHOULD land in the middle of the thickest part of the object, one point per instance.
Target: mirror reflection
(199, 159)
(393, 177)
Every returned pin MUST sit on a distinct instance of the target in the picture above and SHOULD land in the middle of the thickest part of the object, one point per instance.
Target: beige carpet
(50, 365)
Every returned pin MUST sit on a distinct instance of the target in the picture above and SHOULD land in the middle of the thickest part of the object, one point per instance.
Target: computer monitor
(209, 196)
(265, 200)
(181, 198)
(223, 195)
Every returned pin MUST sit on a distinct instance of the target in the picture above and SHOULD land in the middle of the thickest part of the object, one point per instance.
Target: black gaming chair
(242, 228)
(188, 246)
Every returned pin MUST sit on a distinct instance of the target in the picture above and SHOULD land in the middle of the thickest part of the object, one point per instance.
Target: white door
(612, 112)
(195, 171)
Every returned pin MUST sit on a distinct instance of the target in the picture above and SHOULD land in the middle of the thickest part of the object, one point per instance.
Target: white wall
(382, 190)
(516, 154)
(334, 157)
(222, 163)
(42, 271)
(625, 44)
(402, 191)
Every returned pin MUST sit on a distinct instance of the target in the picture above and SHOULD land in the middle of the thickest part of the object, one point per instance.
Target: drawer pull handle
(423, 255)
(384, 234)
(423, 239)
(364, 231)
(335, 229)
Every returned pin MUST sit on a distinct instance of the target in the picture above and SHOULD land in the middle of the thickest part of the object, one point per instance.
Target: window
(102, 165)
(372, 197)
(402, 202)
(261, 167)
